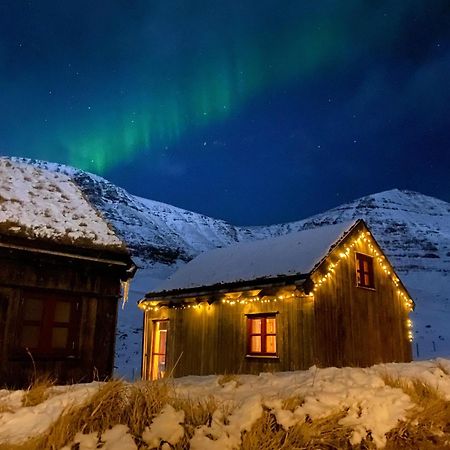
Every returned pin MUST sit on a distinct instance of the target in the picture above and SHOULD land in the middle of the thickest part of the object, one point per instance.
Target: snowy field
(385, 406)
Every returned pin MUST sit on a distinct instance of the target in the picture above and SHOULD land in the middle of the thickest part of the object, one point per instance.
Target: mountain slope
(412, 228)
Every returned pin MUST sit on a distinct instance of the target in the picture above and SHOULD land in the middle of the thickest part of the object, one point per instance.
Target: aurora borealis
(255, 112)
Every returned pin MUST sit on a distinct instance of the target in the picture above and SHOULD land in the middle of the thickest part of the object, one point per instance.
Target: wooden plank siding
(335, 324)
(95, 286)
(212, 338)
(358, 326)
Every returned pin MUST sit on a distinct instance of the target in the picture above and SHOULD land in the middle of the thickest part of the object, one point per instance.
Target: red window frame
(47, 324)
(364, 271)
(263, 334)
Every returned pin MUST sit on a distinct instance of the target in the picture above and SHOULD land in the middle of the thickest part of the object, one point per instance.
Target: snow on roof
(291, 254)
(37, 203)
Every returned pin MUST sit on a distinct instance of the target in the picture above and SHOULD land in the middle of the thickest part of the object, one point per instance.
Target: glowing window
(262, 335)
(159, 345)
(364, 271)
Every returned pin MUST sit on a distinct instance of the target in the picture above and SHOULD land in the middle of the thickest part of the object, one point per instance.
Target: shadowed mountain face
(413, 229)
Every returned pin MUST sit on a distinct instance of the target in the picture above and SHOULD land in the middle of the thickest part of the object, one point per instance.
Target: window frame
(263, 316)
(154, 353)
(360, 273)
(47, 324)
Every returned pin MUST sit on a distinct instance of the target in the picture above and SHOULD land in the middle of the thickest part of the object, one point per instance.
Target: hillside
(412, 228)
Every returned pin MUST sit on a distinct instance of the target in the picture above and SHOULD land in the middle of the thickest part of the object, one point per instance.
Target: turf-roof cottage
(326, 296)
(60, 279)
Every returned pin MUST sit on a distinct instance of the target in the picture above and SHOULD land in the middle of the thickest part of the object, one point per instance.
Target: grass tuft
(428, 423)
(228, 378)
(38, 391)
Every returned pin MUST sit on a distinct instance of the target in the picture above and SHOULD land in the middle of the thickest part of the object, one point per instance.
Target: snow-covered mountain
(413, 229)
(154, 232)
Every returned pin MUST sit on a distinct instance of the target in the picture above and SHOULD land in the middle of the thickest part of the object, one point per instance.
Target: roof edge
(244, 285)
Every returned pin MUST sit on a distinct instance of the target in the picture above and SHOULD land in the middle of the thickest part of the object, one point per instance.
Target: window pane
(271, 344)
(62, 312)
(33, 309)
(271, 326)
(30, 336)
(160, 336)
(256, 326)
(162, 341)
(255, 344)
(158, 359)
(365, 265)
(59, 337)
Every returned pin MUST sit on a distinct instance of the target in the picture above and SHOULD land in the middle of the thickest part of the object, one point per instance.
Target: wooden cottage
(60, 279)
(326, 296)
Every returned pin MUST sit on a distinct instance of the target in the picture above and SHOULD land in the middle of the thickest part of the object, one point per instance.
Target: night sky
(256, 111)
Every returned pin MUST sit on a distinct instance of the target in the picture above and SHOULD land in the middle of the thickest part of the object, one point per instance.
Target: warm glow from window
(262, 339)
(364, 271)
(159, 344)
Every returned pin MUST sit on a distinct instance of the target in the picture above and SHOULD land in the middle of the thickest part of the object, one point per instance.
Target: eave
(223, 288)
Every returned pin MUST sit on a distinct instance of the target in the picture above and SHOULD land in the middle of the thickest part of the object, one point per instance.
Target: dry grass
(326, 433)
(135, 405)
(38, 391)
(291, 403)
(428, 423)
(197, 413)
(228, 378)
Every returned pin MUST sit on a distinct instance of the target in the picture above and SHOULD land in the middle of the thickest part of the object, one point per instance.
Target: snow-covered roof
(40, 204)
(291, 254)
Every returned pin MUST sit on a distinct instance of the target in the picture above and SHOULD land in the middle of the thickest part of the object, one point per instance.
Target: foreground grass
(427, 425)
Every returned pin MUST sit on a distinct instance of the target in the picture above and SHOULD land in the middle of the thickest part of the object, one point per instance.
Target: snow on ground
(370, 406)
(18, 423)
(55, 207)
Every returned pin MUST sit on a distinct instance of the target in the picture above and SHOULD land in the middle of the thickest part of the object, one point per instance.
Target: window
(159, 345)
(262, 335)
(49, 325)
(364, 271)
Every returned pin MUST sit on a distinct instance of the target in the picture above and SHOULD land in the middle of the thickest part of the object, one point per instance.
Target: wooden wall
(213, 338)
(95, 286)
(358, 326)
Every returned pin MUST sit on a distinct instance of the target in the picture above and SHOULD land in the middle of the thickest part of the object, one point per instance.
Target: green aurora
(217, 61)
